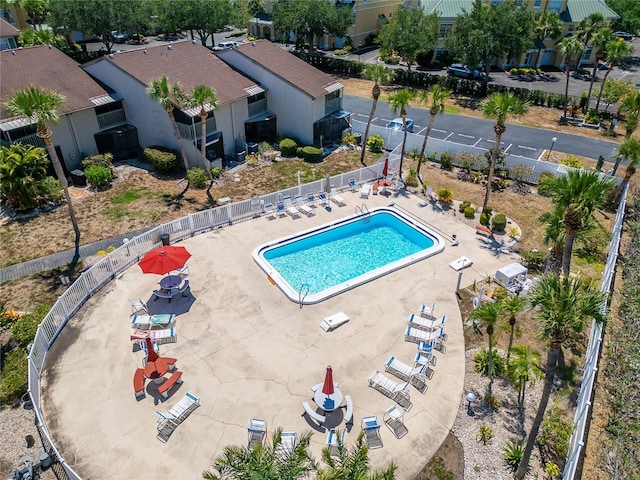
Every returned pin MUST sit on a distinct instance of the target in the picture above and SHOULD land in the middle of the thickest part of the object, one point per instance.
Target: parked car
(226, 45)
(396, 124)
(463, 71)
(119, 37)
(138, 39)
(626, 35)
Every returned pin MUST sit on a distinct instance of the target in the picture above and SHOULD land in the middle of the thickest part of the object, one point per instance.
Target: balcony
(111, 119)
(32, 139)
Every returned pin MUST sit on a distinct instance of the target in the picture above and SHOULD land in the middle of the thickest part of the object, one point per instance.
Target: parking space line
(476, 144)
(447, 137)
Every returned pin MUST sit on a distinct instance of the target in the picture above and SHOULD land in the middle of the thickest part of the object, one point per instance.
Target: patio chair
(287, 444)
(353, 185)
(371, 429)
(169, 421)
(428, 323)
(417, 335)
(364, 191)
(337, 198)
(335, 439)
(162, 336)
(323, 199)
(426, 360)
(291, 209)
(394, 419)
(256, 430)
(414, 375)
(182, 271)
(280, 208)
(398, 392)
(311, 200)
(138, 306)
(428, 308)
(308, 211)
(269, 210)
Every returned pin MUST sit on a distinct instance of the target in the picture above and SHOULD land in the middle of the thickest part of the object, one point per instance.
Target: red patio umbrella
(152, 356)
(327, 387)
(164, 259)
(385, 169)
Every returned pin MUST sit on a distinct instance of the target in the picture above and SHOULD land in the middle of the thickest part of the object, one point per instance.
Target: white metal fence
(592, 355)
(93, 279)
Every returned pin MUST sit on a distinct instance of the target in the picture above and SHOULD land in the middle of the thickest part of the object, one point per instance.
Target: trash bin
(45, 460)
(164, 238)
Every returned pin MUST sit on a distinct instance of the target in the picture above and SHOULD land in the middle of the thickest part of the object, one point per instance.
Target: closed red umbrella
(385, 169)
(164, 259)
(152, 356)
(327, 387)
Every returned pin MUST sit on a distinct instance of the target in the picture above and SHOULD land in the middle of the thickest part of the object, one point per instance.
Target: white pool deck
(249, 352)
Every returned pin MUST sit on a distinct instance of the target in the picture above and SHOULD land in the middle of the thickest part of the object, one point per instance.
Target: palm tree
(380, 75)
(548, 25)
(587, 28)
(438, 96)
(500, 107)
(568, 47)
(616, 50)
(488, 314)
(630, 151)
(22, 170)
(523, 367)
(576, 196)
(630, 107)
(512, 304)
(264, 461)
(169, 95)
(600, 40)
(564, 305)
(33, 103)
(554, 232)
(352, 464)
(398, 102)
(205, 98)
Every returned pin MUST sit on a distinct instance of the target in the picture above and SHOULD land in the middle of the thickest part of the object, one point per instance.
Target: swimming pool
(322, 262)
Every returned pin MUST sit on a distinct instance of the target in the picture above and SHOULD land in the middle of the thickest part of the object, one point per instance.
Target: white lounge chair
(323, 199)
(143, 322)
(308, 211)
(256, 430)
(337, 198)
(168, 421)
(291, 209)
(365, 190)
(335, 438)
(414, 375)
(394, 419)
(417, 335)
(138, 306)
(398, 392)
(182, 271)
(428, 308)
(428, 323)
(371, 429)
(165, 335)
(287, 444)
(426, 359)
(353, 185)
(311, 200)
(269, 210)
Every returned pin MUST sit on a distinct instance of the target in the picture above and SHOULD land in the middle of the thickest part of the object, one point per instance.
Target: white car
(226, 46)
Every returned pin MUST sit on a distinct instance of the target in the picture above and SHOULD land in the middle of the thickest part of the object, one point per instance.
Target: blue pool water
(335, 257)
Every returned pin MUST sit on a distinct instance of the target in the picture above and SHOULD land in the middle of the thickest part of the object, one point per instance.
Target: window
(536, 3)
(445, 29)
(586, 55)
(332, 102)
(555, 6)
(257, 104)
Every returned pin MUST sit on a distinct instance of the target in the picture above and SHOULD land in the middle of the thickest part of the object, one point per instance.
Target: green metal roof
(448, 8)
(578, 10)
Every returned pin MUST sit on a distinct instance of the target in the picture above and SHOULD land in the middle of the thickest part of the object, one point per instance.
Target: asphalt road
(517, 140)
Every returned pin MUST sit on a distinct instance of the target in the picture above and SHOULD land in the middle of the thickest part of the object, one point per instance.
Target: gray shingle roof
(288, 67)
(50, 69)
(186, 63)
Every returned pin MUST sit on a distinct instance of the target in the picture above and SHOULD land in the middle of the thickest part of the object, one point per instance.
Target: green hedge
(499, 222)
(197, 177)
(14, 377)
(312, 154)
(98, 176)
(163, 160)
(288, 147)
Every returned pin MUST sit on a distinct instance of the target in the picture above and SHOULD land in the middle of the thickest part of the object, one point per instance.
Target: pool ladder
(302, 293)
(363, 211)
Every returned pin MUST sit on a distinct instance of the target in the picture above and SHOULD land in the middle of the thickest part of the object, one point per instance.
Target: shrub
(197, 177)
(485, 434)
(543, 189)
(513, 233)
(493, 401)
(469, 212)
(412, 178)
(533, 259)
(375, 143)
(98, 176)
(571, 161)
(592, 117)
(481, 363)
(446, 161)
(499, 222)
(339, 52)
(14, 377)
(52, 190)
(555, 431)
(163, 160)
(24, 330)
(288, 147)
(484, 219)
(512, 454)
(488, 210)
(464, 205)
(351, 139)
(445, 196)
(312, 154)
(104, 159)
(215, 172)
